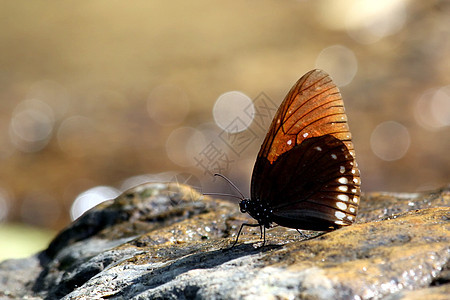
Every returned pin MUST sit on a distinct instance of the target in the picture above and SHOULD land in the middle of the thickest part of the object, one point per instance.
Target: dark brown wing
(306, 170)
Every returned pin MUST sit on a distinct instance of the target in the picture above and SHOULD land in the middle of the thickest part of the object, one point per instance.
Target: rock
(166, 241)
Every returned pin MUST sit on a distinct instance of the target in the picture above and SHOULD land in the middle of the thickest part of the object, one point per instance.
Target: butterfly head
(244, 205)
(256, 209)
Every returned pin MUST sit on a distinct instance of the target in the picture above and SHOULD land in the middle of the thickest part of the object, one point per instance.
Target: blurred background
(99, 96)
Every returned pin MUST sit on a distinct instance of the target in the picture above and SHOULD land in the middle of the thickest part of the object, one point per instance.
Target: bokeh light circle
(432, 109)
(390, 141)
(76, 135)
(31, 125)
(91, 198)
(440, 106)
(184, 144)
(366, 21)
(369, 21)
(340, 62)
(233, 111)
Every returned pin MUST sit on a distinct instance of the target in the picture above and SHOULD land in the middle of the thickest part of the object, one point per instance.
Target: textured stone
(165, 241)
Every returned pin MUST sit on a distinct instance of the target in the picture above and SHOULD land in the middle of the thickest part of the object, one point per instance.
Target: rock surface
(166, 241)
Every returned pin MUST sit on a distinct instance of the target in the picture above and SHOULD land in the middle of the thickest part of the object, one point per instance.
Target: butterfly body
(259, 210)
(305, 175)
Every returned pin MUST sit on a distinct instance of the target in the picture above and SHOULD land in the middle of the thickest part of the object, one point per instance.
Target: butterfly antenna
(232, 184)
(225, 195)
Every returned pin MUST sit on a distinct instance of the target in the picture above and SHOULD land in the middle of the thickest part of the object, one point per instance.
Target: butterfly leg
(250, 225)
(264, 241)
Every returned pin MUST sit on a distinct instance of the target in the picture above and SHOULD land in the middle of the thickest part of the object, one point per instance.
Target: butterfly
(305, 175)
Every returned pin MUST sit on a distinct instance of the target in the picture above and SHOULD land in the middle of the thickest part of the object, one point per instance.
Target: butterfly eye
(243, 205)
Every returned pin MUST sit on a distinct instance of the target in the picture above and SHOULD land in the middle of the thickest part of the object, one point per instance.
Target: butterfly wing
(306, 170)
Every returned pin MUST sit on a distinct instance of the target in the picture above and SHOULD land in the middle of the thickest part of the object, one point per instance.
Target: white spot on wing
(305, 134)
(339, 223)
(289, 142)
(343, 180)
(318, 148)
(352, 209)
(339, 215)
(333, 156)
(343, 188)
(343, 197)
(356, 199)
(341, 205)
(342, 169)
